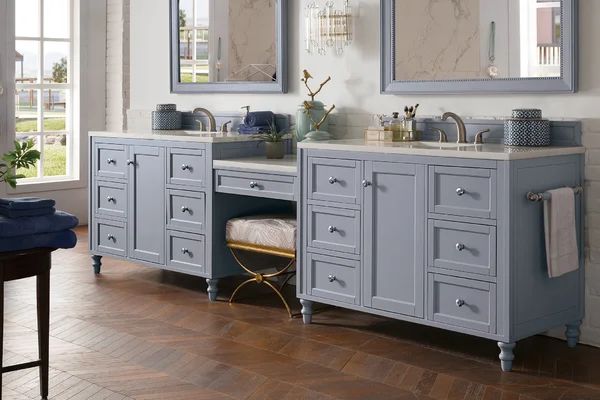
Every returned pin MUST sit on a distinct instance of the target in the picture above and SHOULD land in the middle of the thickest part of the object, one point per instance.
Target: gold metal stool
(269, 235)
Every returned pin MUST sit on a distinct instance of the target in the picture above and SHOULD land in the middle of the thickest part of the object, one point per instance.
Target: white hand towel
(562, 254)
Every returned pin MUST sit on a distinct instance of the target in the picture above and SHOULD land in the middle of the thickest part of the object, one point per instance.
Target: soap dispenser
(396, 127)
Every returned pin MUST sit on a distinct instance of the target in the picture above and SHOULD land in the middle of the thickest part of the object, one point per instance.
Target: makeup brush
(414, 113)
(406, 114)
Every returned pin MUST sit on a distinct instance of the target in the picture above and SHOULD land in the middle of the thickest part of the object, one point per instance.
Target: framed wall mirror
(234, 46)
(478, 46)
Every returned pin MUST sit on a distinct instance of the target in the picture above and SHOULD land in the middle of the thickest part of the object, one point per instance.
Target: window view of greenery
(193, 41)
(42, 70)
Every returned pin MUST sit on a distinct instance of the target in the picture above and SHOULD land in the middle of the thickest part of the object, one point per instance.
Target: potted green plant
(23, 156)
(273, 140)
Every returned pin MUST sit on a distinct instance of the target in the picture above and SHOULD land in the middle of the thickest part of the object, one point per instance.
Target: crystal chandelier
(328, 28)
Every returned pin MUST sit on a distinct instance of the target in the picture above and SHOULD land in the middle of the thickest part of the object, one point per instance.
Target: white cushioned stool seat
(271, 231)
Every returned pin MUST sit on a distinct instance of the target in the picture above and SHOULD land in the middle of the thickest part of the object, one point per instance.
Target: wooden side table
(25, 264)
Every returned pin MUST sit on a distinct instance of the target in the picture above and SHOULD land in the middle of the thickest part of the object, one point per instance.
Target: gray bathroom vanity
(443, 235)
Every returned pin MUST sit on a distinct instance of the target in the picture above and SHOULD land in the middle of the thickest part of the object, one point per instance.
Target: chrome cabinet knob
(130, 162)
(185, 167)
(366, 183)
(111, 237)
(111, 161)
(185, 209)
(332, 180)
(332, 278)
(460, 191)
(253, 184)
(332, 229)
(185, 251)
(460, 302)
(111, 199)
(460, 246)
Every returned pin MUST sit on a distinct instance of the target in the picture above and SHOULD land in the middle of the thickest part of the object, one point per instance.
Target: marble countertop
(484, 151)
(287, 165)
(178, 135)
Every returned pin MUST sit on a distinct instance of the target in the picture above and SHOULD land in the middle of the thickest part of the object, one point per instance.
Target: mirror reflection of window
(227, 41)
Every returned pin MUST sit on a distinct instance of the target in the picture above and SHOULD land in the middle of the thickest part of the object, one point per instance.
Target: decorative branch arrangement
(309, 105)
(312, 94)
(317, 125)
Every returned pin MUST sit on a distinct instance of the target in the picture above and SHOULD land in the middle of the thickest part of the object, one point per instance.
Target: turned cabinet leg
(307, 311)
(572, 333)
(212, 289)
(506, 355)
(97, 264)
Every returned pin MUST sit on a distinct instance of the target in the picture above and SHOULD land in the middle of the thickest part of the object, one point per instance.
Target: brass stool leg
(241, 285)
(287, 307)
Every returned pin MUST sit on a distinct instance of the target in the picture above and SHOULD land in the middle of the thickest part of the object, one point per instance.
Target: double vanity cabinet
(443, 237)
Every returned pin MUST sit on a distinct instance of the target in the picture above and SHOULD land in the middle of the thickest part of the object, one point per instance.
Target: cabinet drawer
(334, 229)
(187, 167)
(110, 161)
(334, 180)
(462, 302)
(186, 210)
(333, 278)
(462, 191)
(462, 247)
(111, 199)
(251, 184)
(111, 237)
(186, 252)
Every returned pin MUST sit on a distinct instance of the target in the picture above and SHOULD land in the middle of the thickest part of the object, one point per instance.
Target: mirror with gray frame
(234, 46)
(450, 46)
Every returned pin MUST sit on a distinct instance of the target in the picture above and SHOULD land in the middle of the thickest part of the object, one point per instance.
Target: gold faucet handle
(479, 136)
(443, 138)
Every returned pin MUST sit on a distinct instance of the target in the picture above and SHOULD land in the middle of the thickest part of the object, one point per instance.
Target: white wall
(355, 91)
(117, 63)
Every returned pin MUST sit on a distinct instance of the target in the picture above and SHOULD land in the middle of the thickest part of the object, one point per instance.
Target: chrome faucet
(460, 126)
(211, 118)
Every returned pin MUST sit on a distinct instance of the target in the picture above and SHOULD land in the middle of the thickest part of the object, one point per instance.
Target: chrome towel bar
(531, 196)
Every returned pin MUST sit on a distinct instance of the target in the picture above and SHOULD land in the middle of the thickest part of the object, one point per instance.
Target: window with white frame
(43, 83)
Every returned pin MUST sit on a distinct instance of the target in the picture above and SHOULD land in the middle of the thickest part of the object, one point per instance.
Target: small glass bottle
(396, 126)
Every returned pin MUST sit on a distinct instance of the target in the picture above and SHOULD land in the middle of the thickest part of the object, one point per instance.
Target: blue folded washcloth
(59, 221)
(26, 203)
(259, 118)
(31, 212)
(252, 130)
(56, 240)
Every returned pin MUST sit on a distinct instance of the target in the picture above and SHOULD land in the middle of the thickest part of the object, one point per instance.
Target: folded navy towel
(26, 203)
(32, 212)
(59, 221)
(259, 118)
(56, 240)
(252, 130)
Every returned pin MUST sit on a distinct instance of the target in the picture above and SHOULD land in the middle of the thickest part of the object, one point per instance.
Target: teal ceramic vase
(304, 123)
(318, 135)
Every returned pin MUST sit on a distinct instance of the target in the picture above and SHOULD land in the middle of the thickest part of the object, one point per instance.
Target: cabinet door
(146, 230)
(394, 237)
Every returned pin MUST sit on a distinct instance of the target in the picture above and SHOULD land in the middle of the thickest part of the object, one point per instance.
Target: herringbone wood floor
(139, 333)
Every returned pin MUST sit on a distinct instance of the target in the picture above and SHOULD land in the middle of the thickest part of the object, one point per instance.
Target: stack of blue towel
(27, 223)
(257, 122)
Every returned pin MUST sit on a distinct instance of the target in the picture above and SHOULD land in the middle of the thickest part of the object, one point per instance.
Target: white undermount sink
(443, 145)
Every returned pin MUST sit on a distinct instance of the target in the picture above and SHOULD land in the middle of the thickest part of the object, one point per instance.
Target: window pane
(55, 106)
(27, 18)
(56, 19)
(26, 102)
(55, 155)
(56, 55)
(33, 171)
(27, 63)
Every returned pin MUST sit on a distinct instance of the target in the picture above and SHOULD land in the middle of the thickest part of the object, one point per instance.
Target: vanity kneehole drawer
(260, 185)
(334, 180)
(462, 247)
(186, 251)
(110, 161)
(187, 167)
(110, 199)
(462, 302)
(110, 237)
(336, 229)
(333, 278)
(186, 210)
(462, 191)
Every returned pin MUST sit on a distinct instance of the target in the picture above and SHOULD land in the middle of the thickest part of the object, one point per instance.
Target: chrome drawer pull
(332, 229)
(366, 183)
(253, 184)
(111, 237)
(332, 180)
(460, 302)
(460, 246)
(460, 191)
(111, 161)
(186, 167)
(130, 162)
(185, 209)
(111, 199)
(332, 278)
(185, 251)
